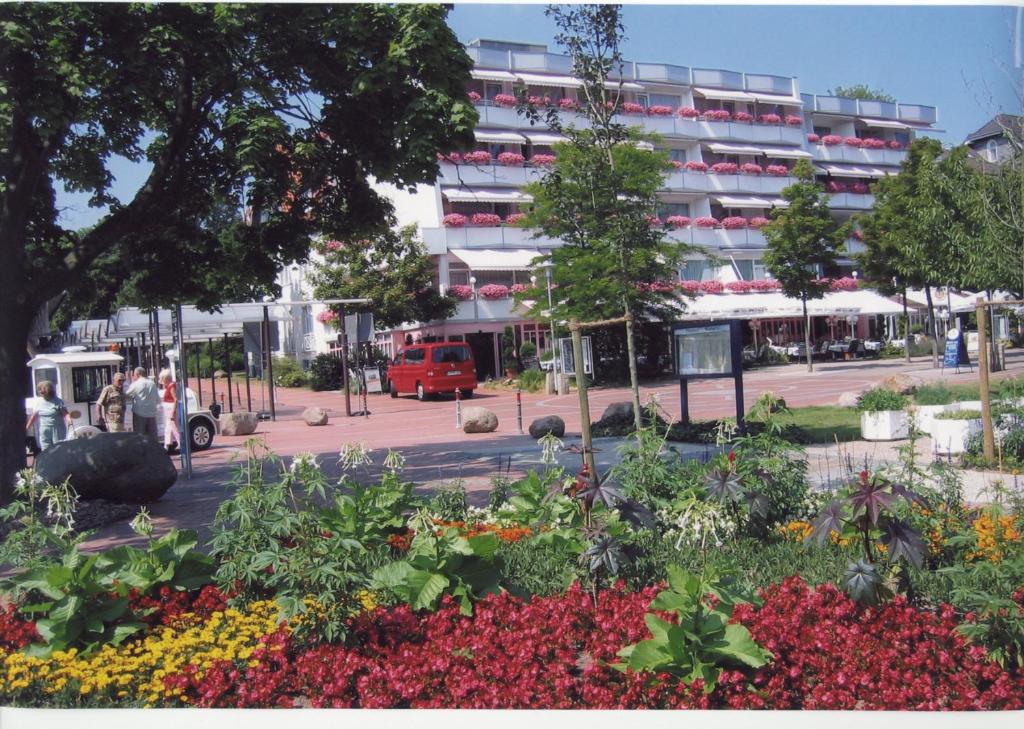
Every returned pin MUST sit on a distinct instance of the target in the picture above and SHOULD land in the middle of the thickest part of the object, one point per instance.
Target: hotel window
(744, 269)
(667, 209)
(491, 91)
(822, 131)
(677, 155)
(698, 271)
(665, 100)
(643, 100)
(759, 270)
(992, 150)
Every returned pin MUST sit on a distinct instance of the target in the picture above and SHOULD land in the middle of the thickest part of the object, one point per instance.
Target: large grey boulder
(125, 467)
(241, 423)
(548, 424)
(315, 416)
(848, 400)
(617, 411)
(479, 420)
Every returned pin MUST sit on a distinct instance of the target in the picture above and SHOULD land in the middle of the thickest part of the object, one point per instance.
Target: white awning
(884, 124)
(496, 136)
(627, 85)
(775, 99)
(484, 194)
(748, 201)
(782, 152)
(535, 79)
(857, 171)
(723, 94)
(544, 138)
(490, 259)
(776, 305)
(484, 74)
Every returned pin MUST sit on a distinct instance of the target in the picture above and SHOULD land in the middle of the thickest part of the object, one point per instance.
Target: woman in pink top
(168, 403)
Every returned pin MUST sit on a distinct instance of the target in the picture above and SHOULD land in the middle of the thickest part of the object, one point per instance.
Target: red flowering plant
(690, 288)
(764, 284)
(677, 221)
(515, 218)
(743, 116)
(872, 143)
(676, 164)
(628, 107)
(749, 168)
(853, 141)
(860, 188)
(759, 221)
(706, 222)
(777, 170)
(487, 220)
(493, 291)
(654, 221)
(813, 138)
(461, 292)
(568, 104)
(519, 288)
(734, 222)
(480, 157)
(719, 115)
(542, 160)
(696, 166)
(511, 159)
(794, 120)
(659, 110)
(725, 168)
(453, 220)
(506, 100)
(688, 112)
(846, 283)
(739, 287)
(474, 97)
(896, 145)
(835, 187)
(831, 140)
(538, 100)
(770, 119)
(712, 287)
(864, 512)
(452, 157)
(327, 317)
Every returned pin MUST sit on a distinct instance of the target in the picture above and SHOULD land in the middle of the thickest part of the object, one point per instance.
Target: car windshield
(451, 354)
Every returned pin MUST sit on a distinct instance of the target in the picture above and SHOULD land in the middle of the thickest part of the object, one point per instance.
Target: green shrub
(449, 502)
(527, 350)
(532, 380)
(288, 373)
(325, 373)
(959, 415)
(880, 399)
(933, 394)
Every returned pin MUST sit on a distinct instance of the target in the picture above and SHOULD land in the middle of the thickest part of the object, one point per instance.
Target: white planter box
(924, 416)
(965, 405)
(949, 437)
(884, 425)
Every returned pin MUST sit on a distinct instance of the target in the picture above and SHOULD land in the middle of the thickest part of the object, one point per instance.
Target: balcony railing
(745, 238)
(489, 175)
(439, 240)
(850, 201)
(756, 184)
(842, 153)
(914, 113)
(489, 309)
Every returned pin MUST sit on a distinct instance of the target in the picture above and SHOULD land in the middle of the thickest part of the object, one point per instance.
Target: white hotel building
(732, 137)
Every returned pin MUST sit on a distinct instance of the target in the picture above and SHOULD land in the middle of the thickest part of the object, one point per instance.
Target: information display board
(955, 354)
(568, 363)
(704, 350)
(371, 375)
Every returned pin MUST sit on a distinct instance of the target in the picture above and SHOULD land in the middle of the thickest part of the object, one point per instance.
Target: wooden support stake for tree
(988, 436)
(581, 389)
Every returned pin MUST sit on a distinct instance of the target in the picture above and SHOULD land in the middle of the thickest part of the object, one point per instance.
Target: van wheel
(392, 389)
(467, 395)
(421, 394)
(200, 434)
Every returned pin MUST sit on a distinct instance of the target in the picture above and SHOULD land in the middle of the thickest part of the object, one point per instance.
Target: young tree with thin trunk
(803, 240)
(289, 111)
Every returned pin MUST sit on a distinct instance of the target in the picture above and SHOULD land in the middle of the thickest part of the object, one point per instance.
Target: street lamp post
(551, 316)
(472, 285)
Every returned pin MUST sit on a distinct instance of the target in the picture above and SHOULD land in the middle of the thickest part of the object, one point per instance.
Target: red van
(429, 369)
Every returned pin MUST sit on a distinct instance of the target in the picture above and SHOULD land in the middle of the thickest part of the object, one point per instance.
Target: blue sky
(943, 56)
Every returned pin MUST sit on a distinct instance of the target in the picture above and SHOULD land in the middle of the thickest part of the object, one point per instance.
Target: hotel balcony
(488, 175)
(837, 105)
(485, 309)
(857, 155)
(720, 238)
(699, 182)
(850, 201)
(439, 240)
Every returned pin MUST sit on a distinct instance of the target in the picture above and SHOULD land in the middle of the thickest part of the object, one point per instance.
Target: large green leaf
(425, 589)
(648, 655)
(739, 645)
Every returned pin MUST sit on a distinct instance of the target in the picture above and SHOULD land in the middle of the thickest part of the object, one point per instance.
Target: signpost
(372, 377)
(568, 359)
(703, 351)
(955, 353)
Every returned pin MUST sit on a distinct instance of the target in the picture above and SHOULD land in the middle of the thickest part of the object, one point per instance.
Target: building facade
(732, 137)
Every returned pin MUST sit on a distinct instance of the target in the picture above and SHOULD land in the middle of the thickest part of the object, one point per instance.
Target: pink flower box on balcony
(835, 187)
(676, 221)
(511, 159)
(743, 116)
(568, 104)
(474, 97)
(453, 220)
(660, 110)
(859, 188)
(749, 168)
(847, 283)
(676, 164)
(758, 221)
(696, 166)
(542, 160)
(687, 112)
(519, 288)
(739, 287)
(813, 138)
(734, 222)
(487, 220)
(831, 140)
(538, 100)
(771, 119)
(493, 291)
(725, 168)
(719, 115)
(792, 120)
(777, 170)
(461, 292)
(706, 222)
(853, 141)
(628, 107)
(764, 284)
(506, 100)
(515, 218)
(895, 145)
(480, 157)
(712, 287)
(872, 143)
(689, 287)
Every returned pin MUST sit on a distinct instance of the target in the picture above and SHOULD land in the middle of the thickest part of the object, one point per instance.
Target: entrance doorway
(482, 344)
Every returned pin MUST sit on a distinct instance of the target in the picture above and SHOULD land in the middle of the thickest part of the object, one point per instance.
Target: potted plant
(508, 352)
(952, 429)
(883, 415)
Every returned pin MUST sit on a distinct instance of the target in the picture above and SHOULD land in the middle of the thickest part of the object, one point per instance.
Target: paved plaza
(436, 451)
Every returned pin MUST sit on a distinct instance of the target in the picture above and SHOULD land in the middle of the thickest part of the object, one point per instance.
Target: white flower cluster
(303, 461)
(699, 524)
(478, 515)
(61, 503)
(394, 461)
(353, 455)
(142, 524)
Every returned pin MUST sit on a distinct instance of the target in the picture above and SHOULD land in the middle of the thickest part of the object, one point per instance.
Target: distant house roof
(997, 126)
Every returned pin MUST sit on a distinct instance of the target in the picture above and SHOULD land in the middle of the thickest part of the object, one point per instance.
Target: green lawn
(825, 423)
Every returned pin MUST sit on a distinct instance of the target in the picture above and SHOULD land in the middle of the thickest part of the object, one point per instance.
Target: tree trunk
(906, 325)
(807, 335)
(995, 361)
(634, 380)
(931, 327)
(14, 327)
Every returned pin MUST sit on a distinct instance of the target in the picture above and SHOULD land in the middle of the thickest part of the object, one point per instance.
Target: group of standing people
(149, 400)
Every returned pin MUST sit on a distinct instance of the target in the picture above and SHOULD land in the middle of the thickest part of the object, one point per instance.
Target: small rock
(848, 400)
(903, 384)
(241, 423)
(123, 467)
(315, 416)
(479, 420)
(548, 424)
(617, 411)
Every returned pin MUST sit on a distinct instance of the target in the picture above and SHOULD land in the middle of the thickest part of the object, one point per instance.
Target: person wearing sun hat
(110, 407)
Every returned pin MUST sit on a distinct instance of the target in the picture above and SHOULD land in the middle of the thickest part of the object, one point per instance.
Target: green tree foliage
(863, 92)
(393, 269)
(602, 191)
(286, 111)
(803, 238)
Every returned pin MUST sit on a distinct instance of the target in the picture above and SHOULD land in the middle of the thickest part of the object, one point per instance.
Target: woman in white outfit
(169, 403)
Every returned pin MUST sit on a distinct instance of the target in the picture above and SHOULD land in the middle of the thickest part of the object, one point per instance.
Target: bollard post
(519, 410)
(458, 408)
